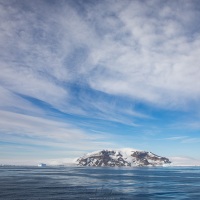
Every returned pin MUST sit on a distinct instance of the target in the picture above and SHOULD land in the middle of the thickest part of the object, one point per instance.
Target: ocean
(31, 183)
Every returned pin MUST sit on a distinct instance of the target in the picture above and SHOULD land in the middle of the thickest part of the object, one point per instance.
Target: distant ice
(184, 161)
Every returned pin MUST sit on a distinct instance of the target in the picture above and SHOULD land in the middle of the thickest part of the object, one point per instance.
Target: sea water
(27, 183)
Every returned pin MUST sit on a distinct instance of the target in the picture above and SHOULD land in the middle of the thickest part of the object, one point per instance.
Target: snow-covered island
(123, 157)
(42, 165)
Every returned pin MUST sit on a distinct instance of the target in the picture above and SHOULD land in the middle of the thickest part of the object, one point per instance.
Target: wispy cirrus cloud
(39, 132)
(184, 139)
(176, 138)
(153, 66)
(136, 52)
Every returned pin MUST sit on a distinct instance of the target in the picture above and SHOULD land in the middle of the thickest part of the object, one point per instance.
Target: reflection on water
(99, 183)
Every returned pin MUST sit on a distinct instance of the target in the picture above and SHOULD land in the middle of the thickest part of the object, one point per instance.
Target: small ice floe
(42, 165)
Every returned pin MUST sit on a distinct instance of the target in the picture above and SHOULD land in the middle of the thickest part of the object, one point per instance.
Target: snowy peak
(123, 157)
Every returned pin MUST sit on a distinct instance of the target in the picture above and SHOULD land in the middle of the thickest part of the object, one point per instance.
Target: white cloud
(30, 130)
(177, 138)
(184, 139)
(12, 102)
(30, 139)
(191, 140)
(135, 52)
(155, 61)
(30, 125)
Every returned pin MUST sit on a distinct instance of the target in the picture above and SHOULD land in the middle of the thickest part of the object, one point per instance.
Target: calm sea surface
(26, 183)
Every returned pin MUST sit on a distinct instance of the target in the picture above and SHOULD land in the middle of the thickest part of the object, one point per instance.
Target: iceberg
(42, 165)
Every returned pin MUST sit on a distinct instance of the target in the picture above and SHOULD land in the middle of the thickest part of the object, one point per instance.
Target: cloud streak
(19, 131)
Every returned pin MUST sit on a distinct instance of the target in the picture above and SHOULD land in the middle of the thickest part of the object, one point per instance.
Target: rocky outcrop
(120, 158)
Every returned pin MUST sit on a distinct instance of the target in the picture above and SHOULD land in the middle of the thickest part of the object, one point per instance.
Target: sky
(78, 76)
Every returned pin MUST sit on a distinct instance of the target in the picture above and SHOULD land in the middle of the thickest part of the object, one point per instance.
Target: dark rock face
(103, 158)
(144, 158)
(119, 158)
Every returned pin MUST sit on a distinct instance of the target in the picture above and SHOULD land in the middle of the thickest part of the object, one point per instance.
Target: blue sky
(82, 75)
